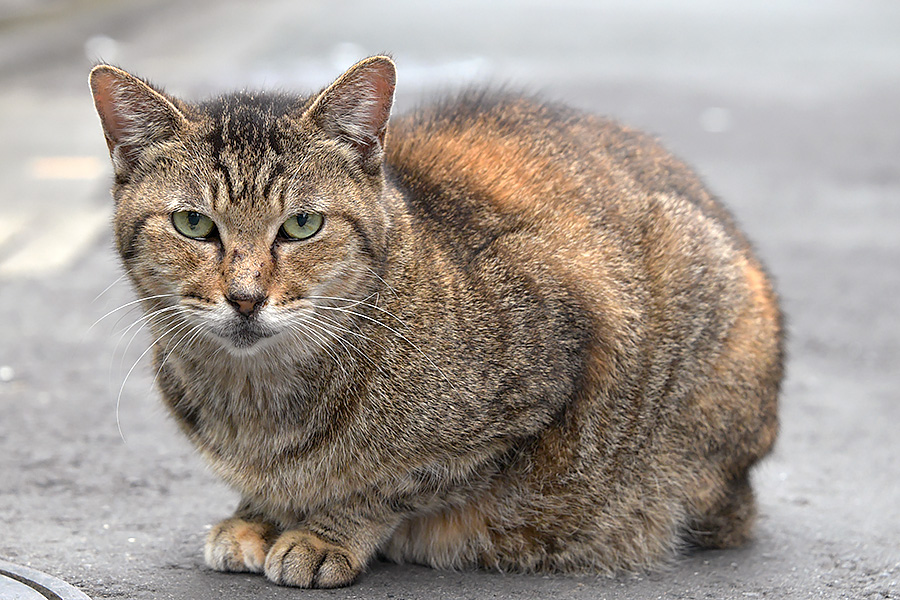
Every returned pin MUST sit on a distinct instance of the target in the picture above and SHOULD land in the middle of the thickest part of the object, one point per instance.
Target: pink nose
(246, 305)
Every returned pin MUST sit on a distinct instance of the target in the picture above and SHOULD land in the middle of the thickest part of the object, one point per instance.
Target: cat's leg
(241, 543)
(727, 523)
(330, 549)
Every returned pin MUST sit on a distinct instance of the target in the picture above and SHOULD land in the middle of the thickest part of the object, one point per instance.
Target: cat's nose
(246, 304)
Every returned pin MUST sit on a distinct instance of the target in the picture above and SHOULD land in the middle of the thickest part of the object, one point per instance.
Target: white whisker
(132, 303)
(324, 327)
(398, 334)
(110, 286)
(131, 370)
(303, 335)
(194, 332)
(378, 277)
(144, 320)
(334, 324)
(124, 315)
(352, 303)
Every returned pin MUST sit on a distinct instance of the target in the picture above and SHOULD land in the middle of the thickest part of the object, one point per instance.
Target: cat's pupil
(302, 219)
(193, 219)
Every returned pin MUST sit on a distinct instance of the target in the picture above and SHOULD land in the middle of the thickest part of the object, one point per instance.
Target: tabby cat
(499, 334)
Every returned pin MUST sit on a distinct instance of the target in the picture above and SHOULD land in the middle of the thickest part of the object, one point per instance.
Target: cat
(500, 333)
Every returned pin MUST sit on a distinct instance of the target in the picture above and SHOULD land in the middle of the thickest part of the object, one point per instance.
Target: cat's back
(632, 261)
(486, 160)
(596, 195)
(573, 201)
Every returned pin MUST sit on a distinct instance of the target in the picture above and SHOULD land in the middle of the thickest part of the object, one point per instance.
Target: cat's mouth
(244, 334)
(245, 338)
(236, 332)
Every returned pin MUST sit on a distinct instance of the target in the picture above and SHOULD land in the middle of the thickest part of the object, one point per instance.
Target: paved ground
(791, 110)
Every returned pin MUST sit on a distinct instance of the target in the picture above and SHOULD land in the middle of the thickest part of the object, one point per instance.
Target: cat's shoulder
(490, 129)
(489, 109)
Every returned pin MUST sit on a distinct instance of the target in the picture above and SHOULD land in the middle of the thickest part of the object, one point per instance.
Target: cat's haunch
(494, 333)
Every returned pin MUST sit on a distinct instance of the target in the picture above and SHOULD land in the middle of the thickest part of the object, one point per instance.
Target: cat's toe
(238, 545)
(304, 560)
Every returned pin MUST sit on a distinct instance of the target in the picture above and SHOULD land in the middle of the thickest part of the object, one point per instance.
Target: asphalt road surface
(790, 110)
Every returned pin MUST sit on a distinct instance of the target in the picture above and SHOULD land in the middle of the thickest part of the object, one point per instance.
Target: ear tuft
(355, 109)
(134, 115)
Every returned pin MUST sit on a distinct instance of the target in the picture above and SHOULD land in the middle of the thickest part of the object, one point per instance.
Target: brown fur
(525, 338)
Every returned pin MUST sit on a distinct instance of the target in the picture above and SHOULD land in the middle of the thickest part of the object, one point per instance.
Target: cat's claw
(237, 545)
(301, 559)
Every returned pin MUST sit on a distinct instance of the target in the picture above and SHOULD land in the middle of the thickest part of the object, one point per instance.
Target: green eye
(193, 224)
(302, 226)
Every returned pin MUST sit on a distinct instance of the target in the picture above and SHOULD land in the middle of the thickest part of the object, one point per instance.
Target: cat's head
(235, 216)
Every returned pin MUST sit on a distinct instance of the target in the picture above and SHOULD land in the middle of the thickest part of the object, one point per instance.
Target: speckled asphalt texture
(790, 111)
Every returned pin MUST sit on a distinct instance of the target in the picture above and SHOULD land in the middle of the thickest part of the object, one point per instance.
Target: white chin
(245, 343)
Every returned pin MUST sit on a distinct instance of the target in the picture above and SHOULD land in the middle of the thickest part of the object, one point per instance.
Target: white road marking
(9, 226)
(67, 167)
(52, 246)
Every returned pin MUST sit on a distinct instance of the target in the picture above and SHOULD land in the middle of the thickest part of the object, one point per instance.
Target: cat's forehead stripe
(246, 146)
(273, 176)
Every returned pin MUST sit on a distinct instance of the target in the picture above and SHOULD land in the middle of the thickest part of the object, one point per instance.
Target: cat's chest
(238, 407)
(247, 406)
(263, 430)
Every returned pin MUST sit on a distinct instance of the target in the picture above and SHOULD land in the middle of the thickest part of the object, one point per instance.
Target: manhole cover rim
(45, 583)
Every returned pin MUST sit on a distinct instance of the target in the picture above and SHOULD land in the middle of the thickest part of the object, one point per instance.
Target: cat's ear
(355, 108)
(133, 114)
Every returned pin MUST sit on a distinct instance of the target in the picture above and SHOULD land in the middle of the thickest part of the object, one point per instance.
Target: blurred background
(789, 109)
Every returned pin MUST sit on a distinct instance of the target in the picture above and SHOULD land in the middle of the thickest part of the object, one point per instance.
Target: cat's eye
(193, 224)
(302, 226)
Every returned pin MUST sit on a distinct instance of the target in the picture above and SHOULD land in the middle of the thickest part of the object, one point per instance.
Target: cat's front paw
(238, 545)
(303, 559)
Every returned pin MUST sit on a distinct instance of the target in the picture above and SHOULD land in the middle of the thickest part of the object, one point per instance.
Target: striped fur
(525, 338)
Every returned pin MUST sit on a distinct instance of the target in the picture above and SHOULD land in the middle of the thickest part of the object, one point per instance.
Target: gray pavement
(790, 110)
